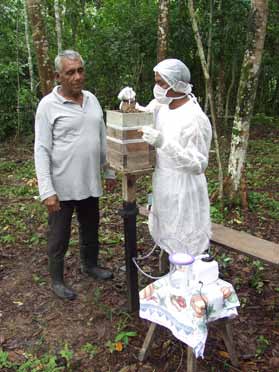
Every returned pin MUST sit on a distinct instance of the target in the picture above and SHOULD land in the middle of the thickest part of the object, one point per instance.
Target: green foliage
(90, 349)
(258, 275)
(121, 340)
(124, 336)
(262, 202)
(4, 359)
(67, 354)
(118, 40)
(224, 261)
(46, 363)
(216, 213)
(262, 345)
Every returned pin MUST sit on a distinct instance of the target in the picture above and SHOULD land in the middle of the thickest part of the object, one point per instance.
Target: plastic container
(181, 277)
(205, 272)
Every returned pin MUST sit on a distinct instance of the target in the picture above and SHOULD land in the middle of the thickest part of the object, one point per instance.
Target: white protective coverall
(180, 214)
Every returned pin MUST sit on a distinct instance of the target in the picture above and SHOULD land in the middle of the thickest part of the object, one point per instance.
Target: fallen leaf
(224, 354)
(18, 303)
(119, 346)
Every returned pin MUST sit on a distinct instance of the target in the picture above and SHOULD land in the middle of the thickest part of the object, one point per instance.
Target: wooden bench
(245, 243)
(240, 241)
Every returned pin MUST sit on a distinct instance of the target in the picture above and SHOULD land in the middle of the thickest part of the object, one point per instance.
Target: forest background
(118, 41)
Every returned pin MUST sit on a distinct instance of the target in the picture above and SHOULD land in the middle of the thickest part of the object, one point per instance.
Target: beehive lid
(129, 119)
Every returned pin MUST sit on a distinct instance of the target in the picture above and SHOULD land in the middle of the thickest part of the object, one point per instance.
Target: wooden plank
(224, 327)
(240, 241)
(191, 360)
(145, 349)
(132, 162)
(245, 243)
(129, 188)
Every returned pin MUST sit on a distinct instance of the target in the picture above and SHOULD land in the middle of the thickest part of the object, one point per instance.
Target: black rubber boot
(56, 270)
(88, 264)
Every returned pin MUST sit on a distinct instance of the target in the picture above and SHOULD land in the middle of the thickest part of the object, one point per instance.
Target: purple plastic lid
(181, 259)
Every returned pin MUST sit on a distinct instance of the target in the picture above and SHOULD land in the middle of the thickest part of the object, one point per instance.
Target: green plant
(107, 310)
(224, 260)
(124, 337)
(123, 321)
(111, 346)
(216, 213)
(67, 354)
(262, 345)
(46, 363)
(257, 278)
(90, 349)
(8, 239)
(38, 280)
(120, 341)
(4, 359)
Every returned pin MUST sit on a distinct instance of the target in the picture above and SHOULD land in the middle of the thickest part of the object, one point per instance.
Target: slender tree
(41, 45)
(58, 25)
(246, 97)
(163, 29)
(28, 46)
(210, 92)
(209, 52)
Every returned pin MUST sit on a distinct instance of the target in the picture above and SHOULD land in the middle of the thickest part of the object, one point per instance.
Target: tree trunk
(58, 25)
(210, 94)
(18, 77)
(209, 53)
(221, 88)
(163, 29)
(227, 111)
(246, 96)
(41, 45)
(27, 40)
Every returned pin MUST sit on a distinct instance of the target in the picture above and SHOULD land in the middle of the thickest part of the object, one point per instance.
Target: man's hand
(110, 184)
(52, 203)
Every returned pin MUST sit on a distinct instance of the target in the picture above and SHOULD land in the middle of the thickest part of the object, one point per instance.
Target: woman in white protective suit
(180, 216)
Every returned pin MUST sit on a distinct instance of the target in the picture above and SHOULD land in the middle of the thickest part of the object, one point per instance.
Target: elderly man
(180, 219)
(70, 150)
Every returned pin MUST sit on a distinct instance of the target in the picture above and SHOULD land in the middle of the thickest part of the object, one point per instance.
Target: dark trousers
(59, 228)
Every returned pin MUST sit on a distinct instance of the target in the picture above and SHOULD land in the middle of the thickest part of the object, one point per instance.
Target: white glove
(152, 136)
(139, 107)
(127, 94)
(151, 107)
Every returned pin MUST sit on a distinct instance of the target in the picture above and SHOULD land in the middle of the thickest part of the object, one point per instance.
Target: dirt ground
(34, 322)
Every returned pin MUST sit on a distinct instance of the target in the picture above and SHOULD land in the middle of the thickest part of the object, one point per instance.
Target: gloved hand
(127, 94)
(152, 136)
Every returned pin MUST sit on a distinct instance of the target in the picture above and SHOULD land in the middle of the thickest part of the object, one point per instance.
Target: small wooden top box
(126, 150)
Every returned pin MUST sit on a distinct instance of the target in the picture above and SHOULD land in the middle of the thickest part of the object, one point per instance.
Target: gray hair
(68, 54)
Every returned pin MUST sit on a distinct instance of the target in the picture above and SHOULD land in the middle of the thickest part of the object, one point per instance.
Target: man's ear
(57, 76)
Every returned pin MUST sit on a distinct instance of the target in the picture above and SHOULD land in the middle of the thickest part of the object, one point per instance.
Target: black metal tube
(129, 214)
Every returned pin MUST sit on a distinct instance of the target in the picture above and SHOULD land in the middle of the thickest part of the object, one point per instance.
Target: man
(179, 220)
(70, 150)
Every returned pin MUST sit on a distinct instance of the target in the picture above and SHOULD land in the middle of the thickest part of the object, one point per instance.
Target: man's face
(160, 81)
(71, 76)
(163, 84)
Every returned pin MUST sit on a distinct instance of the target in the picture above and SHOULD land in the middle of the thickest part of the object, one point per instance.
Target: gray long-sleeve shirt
(70, 147)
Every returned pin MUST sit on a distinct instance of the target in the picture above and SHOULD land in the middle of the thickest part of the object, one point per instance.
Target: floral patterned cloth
(187, 314)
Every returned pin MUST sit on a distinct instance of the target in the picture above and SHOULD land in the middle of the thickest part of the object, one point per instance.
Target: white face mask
(161, 95)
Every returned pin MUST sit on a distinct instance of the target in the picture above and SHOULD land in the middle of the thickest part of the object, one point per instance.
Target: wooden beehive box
(127, 152)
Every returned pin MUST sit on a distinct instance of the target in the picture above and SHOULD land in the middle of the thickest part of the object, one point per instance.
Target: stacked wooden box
(127, 152)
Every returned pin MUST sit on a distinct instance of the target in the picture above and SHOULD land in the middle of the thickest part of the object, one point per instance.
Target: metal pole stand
(129, 214)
